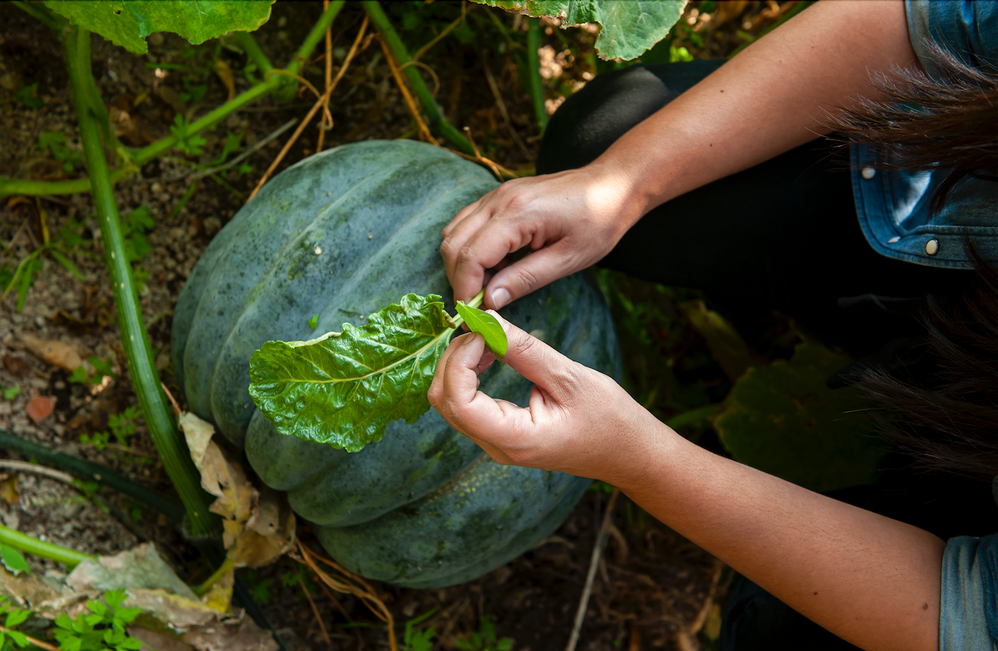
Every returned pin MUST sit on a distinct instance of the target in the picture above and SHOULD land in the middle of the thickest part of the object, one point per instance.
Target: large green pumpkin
(342, 234)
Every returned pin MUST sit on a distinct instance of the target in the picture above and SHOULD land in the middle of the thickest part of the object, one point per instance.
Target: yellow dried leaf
(55, 352)
(8, 490)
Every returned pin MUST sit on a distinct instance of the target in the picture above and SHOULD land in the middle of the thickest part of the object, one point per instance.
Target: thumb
(548, 369)
(527, 274)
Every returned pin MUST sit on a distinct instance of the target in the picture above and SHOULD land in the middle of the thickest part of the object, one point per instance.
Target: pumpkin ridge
(277, 257)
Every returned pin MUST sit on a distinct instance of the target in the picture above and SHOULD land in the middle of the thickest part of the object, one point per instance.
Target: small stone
(155, 39)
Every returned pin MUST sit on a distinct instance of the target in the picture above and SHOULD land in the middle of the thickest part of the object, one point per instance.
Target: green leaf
(13, 561)
(628, 27)
(67, 264)
(783, 420)
(9, 393)
(345, 387)
(314, 322)
(486, 325)
(15, 617)
(19, 638)
(29, 96)
(128, 22)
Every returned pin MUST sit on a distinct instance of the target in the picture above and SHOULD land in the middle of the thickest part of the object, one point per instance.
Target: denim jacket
(893, 205)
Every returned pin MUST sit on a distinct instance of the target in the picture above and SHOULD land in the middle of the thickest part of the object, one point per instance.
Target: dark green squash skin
(374, 210)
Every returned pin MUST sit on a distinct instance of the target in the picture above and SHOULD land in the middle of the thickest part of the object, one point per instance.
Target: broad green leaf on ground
(13, 561)
(628, 27)
(782, 419)
(345, 387)
(486, 325)
(128, 22)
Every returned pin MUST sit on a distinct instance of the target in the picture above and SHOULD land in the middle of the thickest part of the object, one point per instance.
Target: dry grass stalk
(348, 583)
(308, 117)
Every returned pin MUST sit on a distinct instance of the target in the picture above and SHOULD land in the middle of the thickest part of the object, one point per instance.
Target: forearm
(869, 579)
(770, 98)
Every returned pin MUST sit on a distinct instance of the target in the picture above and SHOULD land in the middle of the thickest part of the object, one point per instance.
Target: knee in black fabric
(608, 107)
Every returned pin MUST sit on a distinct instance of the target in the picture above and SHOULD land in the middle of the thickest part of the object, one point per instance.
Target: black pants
(782, 235)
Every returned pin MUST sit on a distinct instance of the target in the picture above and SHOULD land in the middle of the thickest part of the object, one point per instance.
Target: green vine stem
(163, 145)
(145, 379)
(435, 117)
(285, 92)
(24, 543)
(87, 471)
(535, 88)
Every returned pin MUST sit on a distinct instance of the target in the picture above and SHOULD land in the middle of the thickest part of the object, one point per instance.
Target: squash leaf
(486, 325)
(783, 420)
(128, 22)
(345, 387)
(627, 27)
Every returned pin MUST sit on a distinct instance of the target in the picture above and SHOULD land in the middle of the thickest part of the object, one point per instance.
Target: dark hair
(945, 411)
(924, 123)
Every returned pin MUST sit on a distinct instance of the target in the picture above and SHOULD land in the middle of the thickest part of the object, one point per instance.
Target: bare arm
(767, 100)
(869, 579)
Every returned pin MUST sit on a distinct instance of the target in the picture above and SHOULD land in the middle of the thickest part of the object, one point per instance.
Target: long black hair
(946, 413)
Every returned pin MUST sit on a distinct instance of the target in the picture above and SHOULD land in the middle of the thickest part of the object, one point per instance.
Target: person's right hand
(570, 219)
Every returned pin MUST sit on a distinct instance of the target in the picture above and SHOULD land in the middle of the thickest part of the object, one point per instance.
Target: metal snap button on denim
(868, 173)
(932, 247)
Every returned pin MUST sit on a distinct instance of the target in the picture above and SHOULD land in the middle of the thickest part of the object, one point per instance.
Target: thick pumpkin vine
(343, 388)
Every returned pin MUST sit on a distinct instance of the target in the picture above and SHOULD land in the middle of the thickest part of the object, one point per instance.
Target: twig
(502, 106)
(308, 117)
(447, 30)
(420, 64)
(24, 466)
(315, 91)
(424, 131)
(329, 77)
(38, 643)
(604, 530)
(315, 610)
(350, 584)
(197, 174)
(173, 401)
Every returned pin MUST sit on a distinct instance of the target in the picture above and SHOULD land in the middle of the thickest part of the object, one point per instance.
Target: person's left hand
(578, 420)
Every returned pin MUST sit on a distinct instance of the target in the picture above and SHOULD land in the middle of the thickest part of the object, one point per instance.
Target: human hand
(570, 219)
(578, 420)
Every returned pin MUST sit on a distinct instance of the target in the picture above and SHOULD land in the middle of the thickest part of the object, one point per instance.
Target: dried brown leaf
(55, 352)
(40, 408)
(8, 490)
(16, 366)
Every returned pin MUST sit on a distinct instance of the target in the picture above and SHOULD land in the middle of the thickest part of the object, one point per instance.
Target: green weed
(484, 639)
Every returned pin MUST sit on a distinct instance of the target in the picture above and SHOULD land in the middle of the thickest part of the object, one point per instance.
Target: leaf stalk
(433, 113)
(135, 340)
(25, 543)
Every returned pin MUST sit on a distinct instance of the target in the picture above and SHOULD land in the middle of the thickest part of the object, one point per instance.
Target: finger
(454, 390)
(530, 273)
(488, 247)
(551, 372)
(464, 212)
(454, 247)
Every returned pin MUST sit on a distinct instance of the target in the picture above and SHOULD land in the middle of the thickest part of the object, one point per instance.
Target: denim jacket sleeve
(968, 613)
(893, 205)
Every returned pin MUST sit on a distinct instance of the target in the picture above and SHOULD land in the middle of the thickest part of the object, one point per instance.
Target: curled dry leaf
(55, 352)
(257, 528)
(149, 584)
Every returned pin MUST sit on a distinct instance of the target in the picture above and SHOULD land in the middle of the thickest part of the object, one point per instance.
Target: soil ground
(653, 589)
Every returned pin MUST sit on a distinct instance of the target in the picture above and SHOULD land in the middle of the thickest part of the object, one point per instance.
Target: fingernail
(500, 298)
